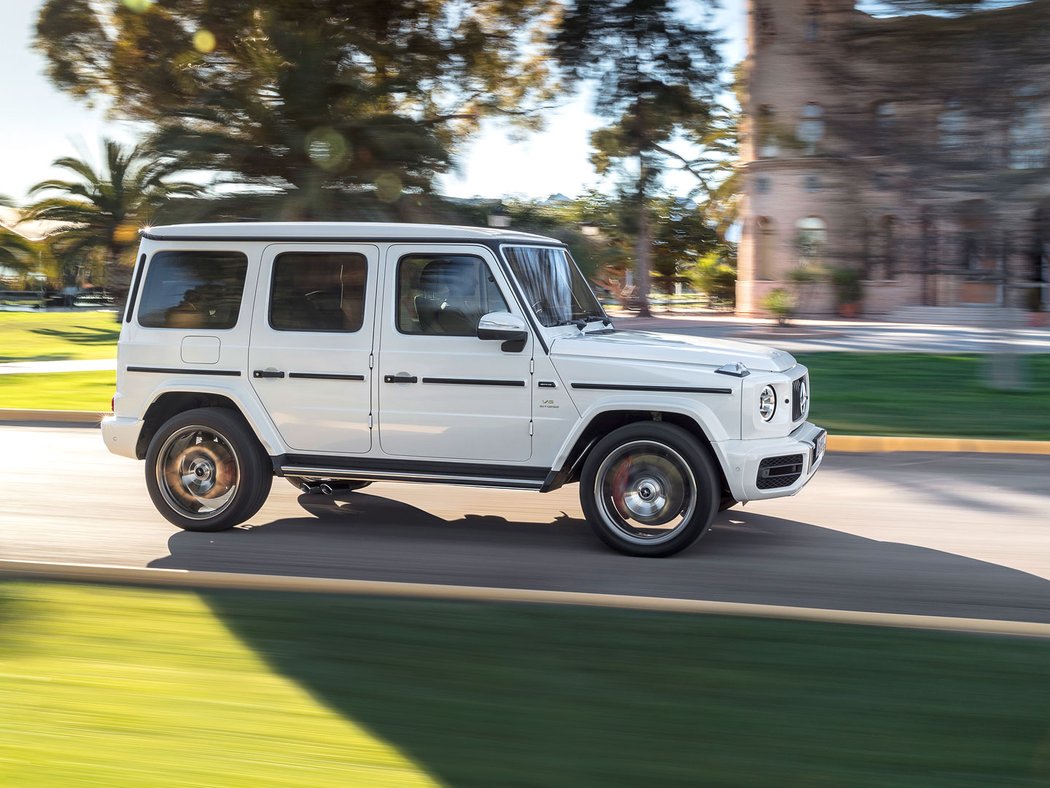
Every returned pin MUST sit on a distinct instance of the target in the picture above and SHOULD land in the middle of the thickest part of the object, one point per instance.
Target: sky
(40, 124)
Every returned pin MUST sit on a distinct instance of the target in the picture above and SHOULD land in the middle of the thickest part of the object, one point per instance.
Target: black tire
(206, 471)
(296, 482)
(649, 489)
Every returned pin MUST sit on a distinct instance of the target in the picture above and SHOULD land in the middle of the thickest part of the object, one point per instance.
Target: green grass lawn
(854, 393)
(918, 394)
(134, 687)
(58, 390)
(57, 336)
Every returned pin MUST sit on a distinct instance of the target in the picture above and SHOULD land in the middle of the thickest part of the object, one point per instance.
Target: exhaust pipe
(310, 489)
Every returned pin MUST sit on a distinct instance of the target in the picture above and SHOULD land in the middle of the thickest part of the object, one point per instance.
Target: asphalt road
(956, 535)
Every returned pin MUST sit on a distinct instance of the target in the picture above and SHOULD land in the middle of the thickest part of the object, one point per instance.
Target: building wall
(836, 134)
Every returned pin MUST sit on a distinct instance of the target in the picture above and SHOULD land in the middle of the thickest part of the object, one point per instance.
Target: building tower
(788, 207)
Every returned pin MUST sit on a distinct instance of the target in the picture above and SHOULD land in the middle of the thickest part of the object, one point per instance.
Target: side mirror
(506, 328)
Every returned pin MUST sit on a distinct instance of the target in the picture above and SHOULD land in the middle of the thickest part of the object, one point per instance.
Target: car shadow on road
(745, 557)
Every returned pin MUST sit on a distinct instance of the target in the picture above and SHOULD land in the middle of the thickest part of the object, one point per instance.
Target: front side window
(318, 292)
(553, 285)
(194, 290)
(445, 295)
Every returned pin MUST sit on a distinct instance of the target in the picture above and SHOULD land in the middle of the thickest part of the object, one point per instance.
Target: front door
(311, 342)
(444, 394)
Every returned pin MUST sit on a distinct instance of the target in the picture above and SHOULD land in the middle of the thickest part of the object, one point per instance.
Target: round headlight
(767, 403)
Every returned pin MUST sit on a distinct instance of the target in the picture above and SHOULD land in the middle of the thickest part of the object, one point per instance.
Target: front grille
(775, 472)
(798, 407)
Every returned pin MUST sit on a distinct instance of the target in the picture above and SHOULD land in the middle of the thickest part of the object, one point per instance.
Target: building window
(766, 132)
(812, 183)
(763, 185)
(881, 181)
(812, 26)
(885, 115)
(951, 126)
(1027, 138)
(811, 236)
(810, 129)
(765, 237)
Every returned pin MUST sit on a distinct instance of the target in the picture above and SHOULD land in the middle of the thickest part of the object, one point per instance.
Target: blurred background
(866, 185)
(882, 158)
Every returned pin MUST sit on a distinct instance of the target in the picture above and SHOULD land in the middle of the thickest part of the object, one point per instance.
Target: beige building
(911, 151)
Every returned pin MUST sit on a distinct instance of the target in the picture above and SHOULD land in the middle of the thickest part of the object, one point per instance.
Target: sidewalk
(852, 336)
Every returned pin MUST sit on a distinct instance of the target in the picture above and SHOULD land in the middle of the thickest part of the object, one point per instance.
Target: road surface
(952, 535)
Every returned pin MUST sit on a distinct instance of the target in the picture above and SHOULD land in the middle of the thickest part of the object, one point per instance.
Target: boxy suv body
(340, 354)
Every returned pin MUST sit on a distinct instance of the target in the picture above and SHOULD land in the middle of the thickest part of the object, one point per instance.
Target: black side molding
(324, 376)
(474, 382)
(632, 387)
(232, 373)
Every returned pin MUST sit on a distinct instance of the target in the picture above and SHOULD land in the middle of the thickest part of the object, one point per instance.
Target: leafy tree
(103, 209)
(656, 75)
(680, 234)
(311, 99)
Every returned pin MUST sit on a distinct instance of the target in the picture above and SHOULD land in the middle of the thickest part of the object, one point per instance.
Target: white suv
(335, 355)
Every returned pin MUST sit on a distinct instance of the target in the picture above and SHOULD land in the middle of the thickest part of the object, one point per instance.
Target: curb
(836, 443)
(189, 579)
(875, 444)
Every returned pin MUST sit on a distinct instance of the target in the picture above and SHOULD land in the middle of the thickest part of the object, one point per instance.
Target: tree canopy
(307, 98)
(657, 77)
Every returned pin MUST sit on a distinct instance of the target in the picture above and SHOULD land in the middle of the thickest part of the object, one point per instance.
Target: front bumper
(790, 463)
(121, 435)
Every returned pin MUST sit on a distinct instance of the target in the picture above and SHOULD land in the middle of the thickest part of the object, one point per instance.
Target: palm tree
(16, 251)
(102, 210)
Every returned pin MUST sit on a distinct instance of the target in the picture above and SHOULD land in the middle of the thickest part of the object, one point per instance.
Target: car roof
(336, 231)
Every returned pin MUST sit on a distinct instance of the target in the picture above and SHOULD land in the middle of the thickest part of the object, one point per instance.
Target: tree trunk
(642, 255)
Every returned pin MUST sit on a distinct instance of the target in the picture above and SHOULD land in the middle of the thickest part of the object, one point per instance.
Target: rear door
(311, 343)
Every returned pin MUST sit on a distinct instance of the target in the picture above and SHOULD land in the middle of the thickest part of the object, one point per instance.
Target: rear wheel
(205, 470)
(649, 489)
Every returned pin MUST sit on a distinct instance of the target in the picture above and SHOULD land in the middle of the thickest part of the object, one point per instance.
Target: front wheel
(205, 470)
(649, 489)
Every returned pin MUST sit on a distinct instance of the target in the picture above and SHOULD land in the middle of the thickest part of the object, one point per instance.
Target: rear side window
(194, 290)
(318, 292)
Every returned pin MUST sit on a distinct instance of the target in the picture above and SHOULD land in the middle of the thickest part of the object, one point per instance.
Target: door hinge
(369, 421)
(530, 428)
(371, 360)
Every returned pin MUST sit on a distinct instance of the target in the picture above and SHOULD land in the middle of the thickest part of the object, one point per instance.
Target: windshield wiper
(591, 318)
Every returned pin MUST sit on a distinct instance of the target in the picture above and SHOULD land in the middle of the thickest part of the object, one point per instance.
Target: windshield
(553, 285)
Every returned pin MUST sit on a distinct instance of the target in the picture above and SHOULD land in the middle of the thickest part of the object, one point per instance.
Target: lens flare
(388, 187)
(327, 148)
(204, 41)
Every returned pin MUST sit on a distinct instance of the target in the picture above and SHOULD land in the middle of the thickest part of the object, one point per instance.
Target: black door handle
(267, 373)
(400, 379)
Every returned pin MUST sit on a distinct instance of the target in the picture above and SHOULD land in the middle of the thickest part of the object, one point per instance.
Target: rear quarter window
(193, 290)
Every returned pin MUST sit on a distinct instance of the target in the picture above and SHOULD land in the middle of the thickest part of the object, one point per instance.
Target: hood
(673, 348)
